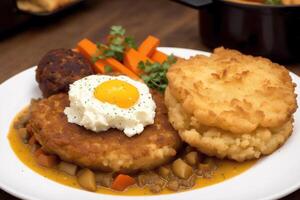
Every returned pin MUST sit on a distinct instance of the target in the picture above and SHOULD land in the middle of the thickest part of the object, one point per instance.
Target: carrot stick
(89, 49)
(149, 45)
(99, 66)
(159, 57)
(132, 58)
(122, 181)
(119, 67)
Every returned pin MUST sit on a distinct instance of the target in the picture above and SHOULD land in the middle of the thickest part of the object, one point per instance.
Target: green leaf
(117, 48)
(130, 42)
(108, 53)
(108, 69)
(171, 59)
(117, 30)
(141, 65)
(101, 46)
(116, 45)
(94, 59)
(119, 56)
(155, 73)
(117, 41)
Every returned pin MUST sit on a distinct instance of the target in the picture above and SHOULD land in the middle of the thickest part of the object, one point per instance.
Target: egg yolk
(117, 92)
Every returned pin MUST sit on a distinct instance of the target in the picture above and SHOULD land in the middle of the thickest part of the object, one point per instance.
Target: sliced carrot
(45, 159)
(89, 49)
(159, 56)
(32, 140)
(132, 58)
(122, 181)
(119, 67)
(149, 45)
(99, 67)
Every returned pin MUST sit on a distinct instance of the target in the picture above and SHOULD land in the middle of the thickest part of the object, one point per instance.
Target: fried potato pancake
(110, 150)
(232, 91)
(217, 142)
(231, 105)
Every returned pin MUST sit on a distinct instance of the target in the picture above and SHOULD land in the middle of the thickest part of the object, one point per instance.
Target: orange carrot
(45, 159)
(122, 181)
(159, 56)
(99, 67)
(89, 49)
(132, 59)
(119, 67)
(149, 45)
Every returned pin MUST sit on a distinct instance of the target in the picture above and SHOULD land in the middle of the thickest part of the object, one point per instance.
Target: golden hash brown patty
(217, 142)
(111, 150)
(231, 105)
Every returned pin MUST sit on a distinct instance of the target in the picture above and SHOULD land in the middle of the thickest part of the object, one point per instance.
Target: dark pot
(10, 17)
(264, 30)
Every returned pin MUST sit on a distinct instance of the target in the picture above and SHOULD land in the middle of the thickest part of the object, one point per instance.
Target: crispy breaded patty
(217, 142)
(59, 68)
(111, 150)
(231, 105)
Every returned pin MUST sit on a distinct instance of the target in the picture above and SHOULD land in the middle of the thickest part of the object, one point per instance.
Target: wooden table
(176, 25)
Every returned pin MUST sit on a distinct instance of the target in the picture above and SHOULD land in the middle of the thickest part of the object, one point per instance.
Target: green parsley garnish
(155, 73)
(116, 45)
(108, 69)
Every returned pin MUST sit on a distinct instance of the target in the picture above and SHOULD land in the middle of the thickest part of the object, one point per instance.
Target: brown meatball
(59, 68)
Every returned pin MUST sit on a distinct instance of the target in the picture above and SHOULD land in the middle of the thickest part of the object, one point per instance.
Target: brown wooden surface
(176, 25)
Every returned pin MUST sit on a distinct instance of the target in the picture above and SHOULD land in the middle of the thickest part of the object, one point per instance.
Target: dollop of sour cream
(101, 102)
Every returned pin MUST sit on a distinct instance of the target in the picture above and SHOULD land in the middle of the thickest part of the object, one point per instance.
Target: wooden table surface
(175, 25)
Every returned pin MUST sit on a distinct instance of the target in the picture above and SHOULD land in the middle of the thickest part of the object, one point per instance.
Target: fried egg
(100, 102)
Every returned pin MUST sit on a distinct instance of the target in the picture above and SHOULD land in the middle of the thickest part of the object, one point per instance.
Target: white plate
(272, 177)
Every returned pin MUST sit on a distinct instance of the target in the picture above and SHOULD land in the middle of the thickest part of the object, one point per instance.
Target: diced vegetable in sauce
(86, 179)
(67, 168)
(192, 158)
(164, 172)
(122, 181)
(181, 169)
(104, 179)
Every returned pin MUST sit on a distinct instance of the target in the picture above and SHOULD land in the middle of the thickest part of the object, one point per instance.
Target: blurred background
(28, 29)
(268, 28)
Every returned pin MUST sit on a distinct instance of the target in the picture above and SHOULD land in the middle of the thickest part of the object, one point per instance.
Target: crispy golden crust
(220, 143)
(110, 150)
(232, 91)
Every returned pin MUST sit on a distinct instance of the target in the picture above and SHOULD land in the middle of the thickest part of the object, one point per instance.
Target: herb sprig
(155, 73)
(116, 45)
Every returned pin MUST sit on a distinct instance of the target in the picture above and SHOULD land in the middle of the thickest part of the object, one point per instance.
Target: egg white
(86, 110)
